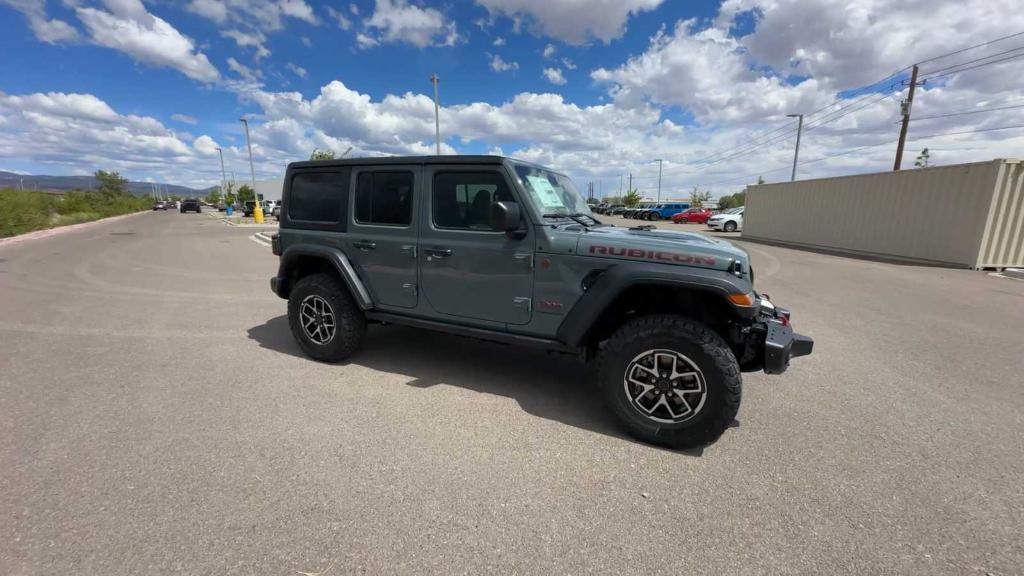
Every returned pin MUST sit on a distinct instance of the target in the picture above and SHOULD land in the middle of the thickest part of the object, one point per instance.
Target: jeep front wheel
(670, 380)
(324, 319)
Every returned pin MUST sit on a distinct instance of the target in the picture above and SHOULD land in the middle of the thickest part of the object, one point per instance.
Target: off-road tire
(654, 216)
(729, 226)
(350, 323)
(697, 342)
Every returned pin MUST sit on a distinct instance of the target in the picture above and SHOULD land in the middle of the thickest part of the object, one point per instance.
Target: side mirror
(505, 216)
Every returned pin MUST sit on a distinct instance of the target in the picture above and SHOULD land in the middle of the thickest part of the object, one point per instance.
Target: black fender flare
(617, 279)
(291, 256)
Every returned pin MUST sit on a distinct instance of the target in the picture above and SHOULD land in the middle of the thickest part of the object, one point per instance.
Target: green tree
(726, 202)
(319, 154)
(111, 184)
(698, 198)
(229, 194)
(213, 197)
(246, 193)
(923, 159)
(631, 198)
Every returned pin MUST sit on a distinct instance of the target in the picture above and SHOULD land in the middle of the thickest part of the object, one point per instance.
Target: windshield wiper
(574, 217)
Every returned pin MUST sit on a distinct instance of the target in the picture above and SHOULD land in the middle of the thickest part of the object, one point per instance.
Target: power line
(933, 76)
(968, 132)
(858, 149)
(969, 112)
(962, 50)
(990, 56)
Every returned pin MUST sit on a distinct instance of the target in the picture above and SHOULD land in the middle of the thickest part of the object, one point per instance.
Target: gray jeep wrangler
(504, 250)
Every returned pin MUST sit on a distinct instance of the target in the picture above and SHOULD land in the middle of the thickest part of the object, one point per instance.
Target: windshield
(551, 193)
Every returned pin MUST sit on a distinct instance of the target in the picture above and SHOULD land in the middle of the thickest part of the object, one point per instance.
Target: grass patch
(22, 211)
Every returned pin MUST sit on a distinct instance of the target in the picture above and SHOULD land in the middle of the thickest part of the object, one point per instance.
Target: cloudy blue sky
(598, 88)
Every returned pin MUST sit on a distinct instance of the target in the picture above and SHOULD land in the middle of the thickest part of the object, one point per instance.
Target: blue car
(664, 211)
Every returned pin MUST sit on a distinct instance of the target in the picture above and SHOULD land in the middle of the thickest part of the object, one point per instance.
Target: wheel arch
(302, 260)
(633, 290)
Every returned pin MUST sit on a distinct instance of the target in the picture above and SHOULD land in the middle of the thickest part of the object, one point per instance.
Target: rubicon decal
(678, 257)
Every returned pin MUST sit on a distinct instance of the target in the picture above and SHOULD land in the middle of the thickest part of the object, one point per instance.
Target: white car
(730, 220)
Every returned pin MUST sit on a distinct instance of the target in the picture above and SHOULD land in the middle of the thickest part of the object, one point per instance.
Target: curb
(46, 233)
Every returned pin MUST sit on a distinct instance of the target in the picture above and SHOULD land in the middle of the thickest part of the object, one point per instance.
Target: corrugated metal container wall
(935, 215)
(1003, 242)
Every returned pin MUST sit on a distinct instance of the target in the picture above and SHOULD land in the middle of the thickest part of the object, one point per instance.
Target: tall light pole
(434, 79)
(659, 179)
(799, 129)
(223, 175)
(257, 212)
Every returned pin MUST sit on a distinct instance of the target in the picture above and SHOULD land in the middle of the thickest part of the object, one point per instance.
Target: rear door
(467, 269)
(382, 235)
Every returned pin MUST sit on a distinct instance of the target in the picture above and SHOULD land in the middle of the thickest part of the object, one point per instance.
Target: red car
(697, 215)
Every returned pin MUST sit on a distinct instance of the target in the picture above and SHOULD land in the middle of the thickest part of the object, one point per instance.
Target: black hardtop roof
(390, 160)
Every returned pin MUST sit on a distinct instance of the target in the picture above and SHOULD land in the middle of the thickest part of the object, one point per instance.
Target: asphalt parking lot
(156, 417)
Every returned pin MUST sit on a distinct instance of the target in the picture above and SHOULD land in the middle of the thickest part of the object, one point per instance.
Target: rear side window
(462, 200)
(318, 196)
(384, 198)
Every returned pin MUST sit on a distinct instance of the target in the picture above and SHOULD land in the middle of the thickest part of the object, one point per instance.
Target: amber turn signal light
(742, 299)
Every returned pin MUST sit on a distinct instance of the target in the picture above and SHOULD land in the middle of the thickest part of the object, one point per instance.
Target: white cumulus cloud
(129, 28)
(574, 22)
(554, 75)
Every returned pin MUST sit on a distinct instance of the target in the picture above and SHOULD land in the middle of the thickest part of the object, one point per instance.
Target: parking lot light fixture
(257, 212)
(796, 153)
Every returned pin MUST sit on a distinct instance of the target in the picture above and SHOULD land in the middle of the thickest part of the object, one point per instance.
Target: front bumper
(771, 342)
(782, 344)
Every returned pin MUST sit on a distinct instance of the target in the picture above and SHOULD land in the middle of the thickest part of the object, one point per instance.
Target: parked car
(276, 212)
(249, 208)
(614, 209)
(693, 215)
(159, 205)
(221, 207)
(729, 221)
(600, 208)
(191, 205)
(665, 211)
(665, 322)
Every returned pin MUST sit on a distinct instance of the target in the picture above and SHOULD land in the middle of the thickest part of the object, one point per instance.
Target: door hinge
(523, 303)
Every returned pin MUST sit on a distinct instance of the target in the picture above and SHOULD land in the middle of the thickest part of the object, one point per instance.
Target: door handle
(438, 252)
(365, 245)
(409, 250)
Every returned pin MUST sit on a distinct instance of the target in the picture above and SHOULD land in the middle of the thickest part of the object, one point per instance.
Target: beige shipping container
(965, 215)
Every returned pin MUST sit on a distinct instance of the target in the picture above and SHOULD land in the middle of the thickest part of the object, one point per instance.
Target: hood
(662, 246)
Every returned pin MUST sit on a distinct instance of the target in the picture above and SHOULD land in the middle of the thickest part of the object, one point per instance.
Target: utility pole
(620, 184)
(659, 179)
(907, 104)
(434, 78)
(223, 176)
(799, 129)
(257, 212)
(630, 189)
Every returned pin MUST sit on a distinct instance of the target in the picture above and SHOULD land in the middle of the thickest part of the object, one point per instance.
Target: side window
(462, 200)
(318, 196)
(384, 198)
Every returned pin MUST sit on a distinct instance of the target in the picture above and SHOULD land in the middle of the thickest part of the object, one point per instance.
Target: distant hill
(66, 183)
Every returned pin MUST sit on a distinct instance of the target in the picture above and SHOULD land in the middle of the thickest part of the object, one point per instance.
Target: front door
(382, 236)
(467, 270)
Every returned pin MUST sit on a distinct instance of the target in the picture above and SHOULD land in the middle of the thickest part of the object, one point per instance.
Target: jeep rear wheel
(670, 381)
(324, 319)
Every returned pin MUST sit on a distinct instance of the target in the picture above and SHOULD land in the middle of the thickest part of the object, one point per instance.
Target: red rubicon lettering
(653, 255)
